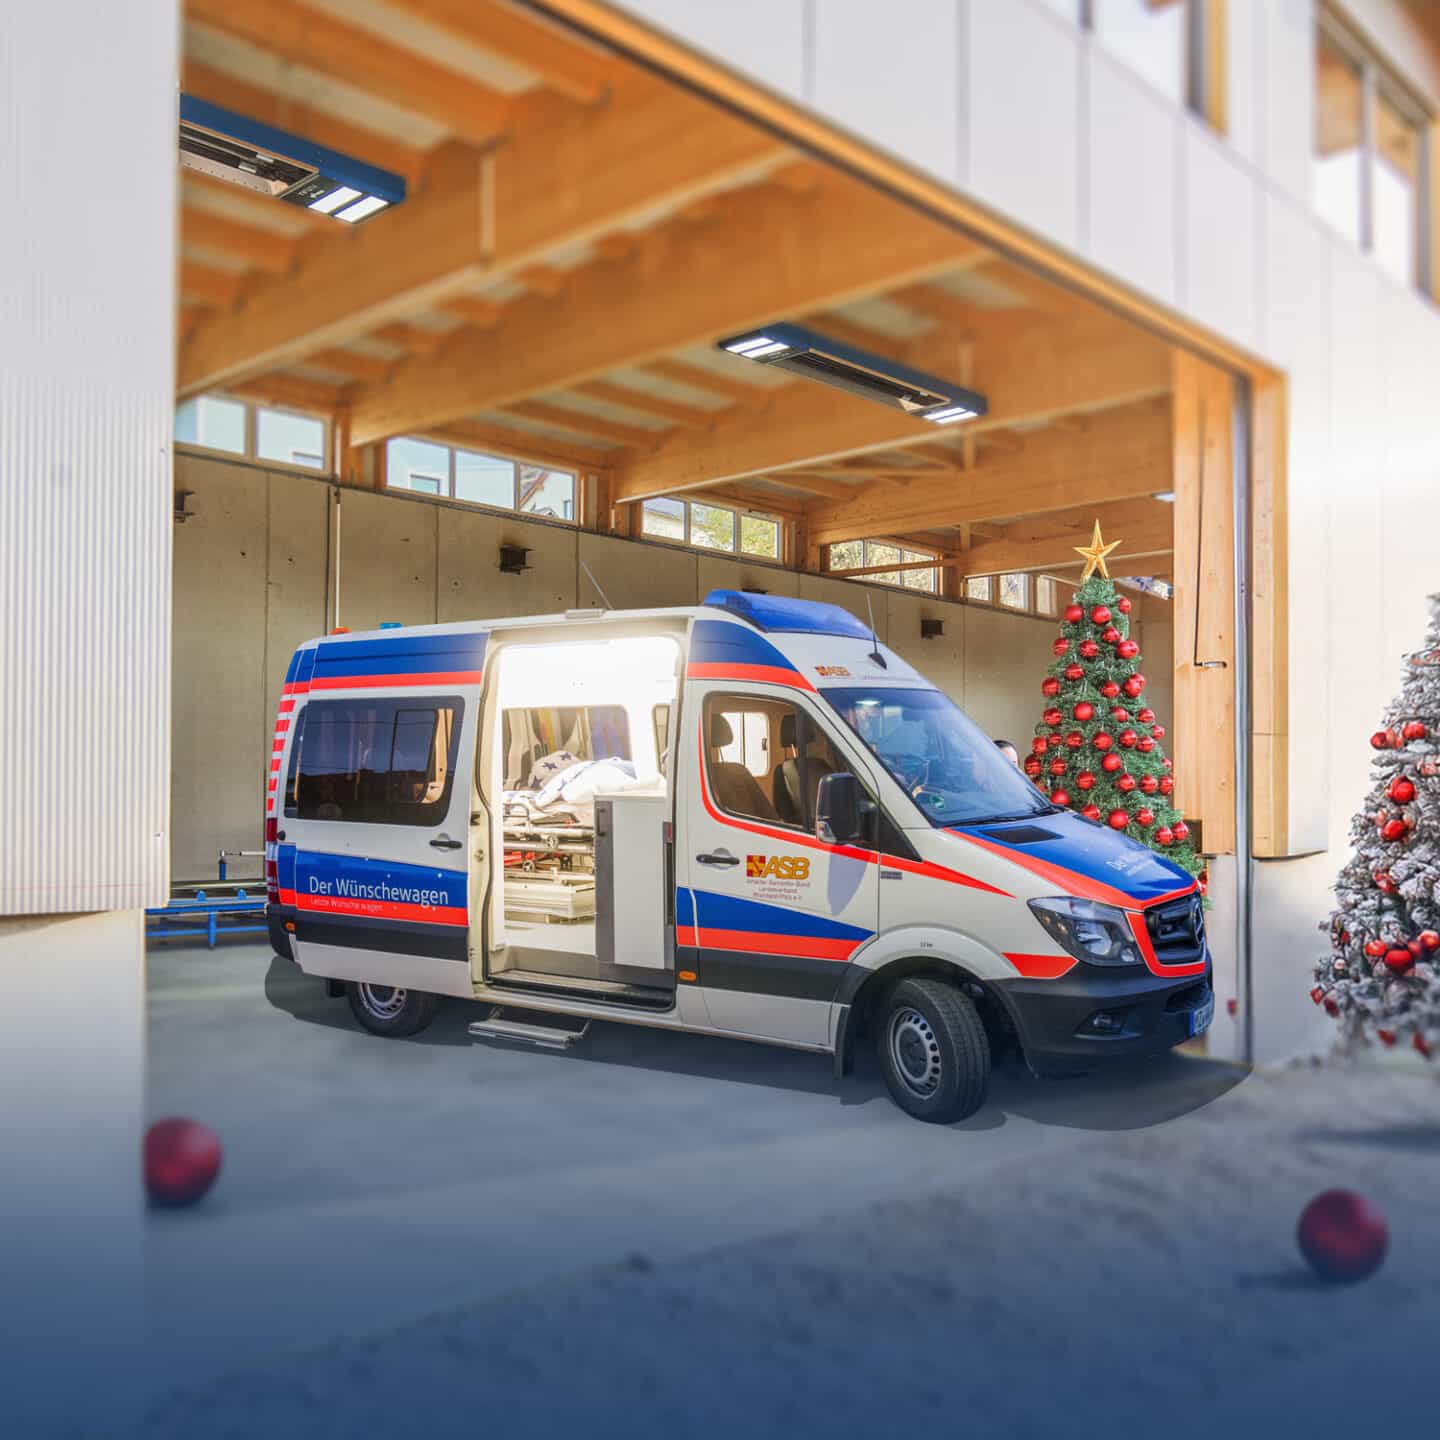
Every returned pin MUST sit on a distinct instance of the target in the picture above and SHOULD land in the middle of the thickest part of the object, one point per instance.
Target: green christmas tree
(1097, 748)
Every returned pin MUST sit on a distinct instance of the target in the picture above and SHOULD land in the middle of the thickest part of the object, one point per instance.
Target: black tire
(933, 1051)
(389, 1010)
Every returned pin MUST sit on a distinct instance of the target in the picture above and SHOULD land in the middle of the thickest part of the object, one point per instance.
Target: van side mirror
(839, 809)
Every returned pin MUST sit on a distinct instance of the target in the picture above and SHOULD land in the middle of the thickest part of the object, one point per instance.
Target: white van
(744, 818)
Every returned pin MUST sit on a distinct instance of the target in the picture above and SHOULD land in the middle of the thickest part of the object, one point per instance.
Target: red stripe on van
(1147, 950)
(396, 682)
(755, 943)
(766, 674)
(377, 909)
(1043, 967)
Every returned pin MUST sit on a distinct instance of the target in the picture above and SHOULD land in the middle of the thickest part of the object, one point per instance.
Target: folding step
(528, 1032)
(583, 987)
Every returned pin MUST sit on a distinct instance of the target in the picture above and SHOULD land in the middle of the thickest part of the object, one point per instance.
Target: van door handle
(718, 857)
(444, 842)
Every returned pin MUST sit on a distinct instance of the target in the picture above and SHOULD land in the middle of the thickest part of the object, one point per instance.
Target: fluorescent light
(739, 347)
(362, 209)
(949, 415)
(328, 204)
(755, 346)
(1168, 496)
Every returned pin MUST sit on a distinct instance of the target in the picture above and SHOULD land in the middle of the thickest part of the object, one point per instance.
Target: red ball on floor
(182, 1159)
(1342, 1236)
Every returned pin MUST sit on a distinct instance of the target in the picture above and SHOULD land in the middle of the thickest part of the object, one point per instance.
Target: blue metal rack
(214, 910)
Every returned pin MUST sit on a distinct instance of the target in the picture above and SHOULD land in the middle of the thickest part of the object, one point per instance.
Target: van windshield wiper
(1023, 815)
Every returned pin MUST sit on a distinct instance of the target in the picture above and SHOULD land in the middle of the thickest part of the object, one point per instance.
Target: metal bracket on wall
(182, 514)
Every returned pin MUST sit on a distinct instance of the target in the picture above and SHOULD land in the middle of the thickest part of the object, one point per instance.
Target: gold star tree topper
(1094, 554)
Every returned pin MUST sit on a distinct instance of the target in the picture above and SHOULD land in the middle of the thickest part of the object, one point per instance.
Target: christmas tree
(1097, 747)
(1382, 976)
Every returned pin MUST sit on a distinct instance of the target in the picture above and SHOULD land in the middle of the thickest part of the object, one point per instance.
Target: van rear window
(375, 762)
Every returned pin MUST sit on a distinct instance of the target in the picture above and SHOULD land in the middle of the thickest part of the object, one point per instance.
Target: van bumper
(276, 917)
(1092, 1014)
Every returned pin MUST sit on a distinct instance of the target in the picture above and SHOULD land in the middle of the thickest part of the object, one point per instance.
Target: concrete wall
(255, 575)
(1009, 101)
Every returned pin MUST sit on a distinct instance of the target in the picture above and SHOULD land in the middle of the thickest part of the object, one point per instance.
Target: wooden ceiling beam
(775, 254)
(1044, 543)
(584, 423)
(482, 314)
(218, 289)
(320, 42)
(643, 403)
(352, 365)
(262, 249)
(700, 377)
(521, 445)
(1124, 454)
(567, 177)
(412, 338)
(292, 391)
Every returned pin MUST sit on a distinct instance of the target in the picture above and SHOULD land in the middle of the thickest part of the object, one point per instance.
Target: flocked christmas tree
(1382, 976)
(1097, 748)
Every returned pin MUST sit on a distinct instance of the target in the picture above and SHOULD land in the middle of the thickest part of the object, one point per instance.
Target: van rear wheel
(934, 1051)
(390, 1010)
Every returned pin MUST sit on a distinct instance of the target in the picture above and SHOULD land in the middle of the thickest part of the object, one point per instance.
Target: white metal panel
(1021, 81)
(86, 387)
(1287, 55)
(1130, 201)
(891, 73)
(1221, 249)
(1244, 79)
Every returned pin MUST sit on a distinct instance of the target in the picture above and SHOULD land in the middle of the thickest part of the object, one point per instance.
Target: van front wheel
(389, 1010)
(933, 1051)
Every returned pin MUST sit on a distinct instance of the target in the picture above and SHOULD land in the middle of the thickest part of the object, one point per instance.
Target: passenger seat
(734, 787)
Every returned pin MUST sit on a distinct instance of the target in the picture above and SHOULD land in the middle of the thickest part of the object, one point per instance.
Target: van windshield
(942, 758)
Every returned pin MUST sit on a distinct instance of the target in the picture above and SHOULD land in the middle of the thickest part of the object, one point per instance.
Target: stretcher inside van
(745, 818)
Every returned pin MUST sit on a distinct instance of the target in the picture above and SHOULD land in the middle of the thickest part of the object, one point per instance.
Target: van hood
(1078, 857)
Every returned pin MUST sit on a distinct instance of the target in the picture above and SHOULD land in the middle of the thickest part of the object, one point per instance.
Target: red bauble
(1125, 784)
(1089, 649)
(1050, 686)
(1060, 798)
(1074, 614)
(1164, 836)
(1119, 714)
(1123, 605)
(1134, 685)
(1085, 780)
(1127, 649)
(1074, 740)
(1100, 615)
(1084, 711)
(1376, 949)
(1128, 738)
(1061, 645)
(1110, 635)
(1039, 745)
(1413, 730)
(1380, 740)
(1383, 883)
(1145, 816)
(1401, 791)
(1109, 689)
(1414, 947)
(1103, 740)
(1053, 742)
(1342, 1236)
(1146, 716)
(1399, 960)
(1032, 765)
(1181, 829)
(1111, 763)
(1118, 819)
(1051, 716)
(1385, 1037)
(1429, 940)
(1145, 744)
(1074, 672)
(1149, 784)
(1157, 732)
(1393, 830)
(182, 1159)
(1059, 766)
(1091, 812)
(1166, 784)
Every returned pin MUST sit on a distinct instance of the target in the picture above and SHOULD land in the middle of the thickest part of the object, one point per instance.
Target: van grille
(1177, 931)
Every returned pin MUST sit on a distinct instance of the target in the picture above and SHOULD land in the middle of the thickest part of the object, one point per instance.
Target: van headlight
(1097, 934)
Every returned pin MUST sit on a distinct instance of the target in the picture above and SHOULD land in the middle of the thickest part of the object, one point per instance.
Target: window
(1046, 601)
(1015, 592)
(864, 554)
(1369, 166)
(978, 587)
(256, 432)
(764, 759)
(711, 527)
(374, 762)
(536, 733)
(429, 468)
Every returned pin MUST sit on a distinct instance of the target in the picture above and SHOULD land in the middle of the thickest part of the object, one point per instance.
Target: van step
(547, 1037)
(582, 986)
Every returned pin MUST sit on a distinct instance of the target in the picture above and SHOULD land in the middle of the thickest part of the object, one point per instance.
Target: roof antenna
(875, 654)
(596, 584)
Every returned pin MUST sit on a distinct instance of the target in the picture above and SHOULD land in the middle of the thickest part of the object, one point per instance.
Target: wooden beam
(351, 364)
(644, 403)
(1046, 542)
(585, 423)
(1204, 603)
(285, 112)
(1026, 370)
(521, 445)
(700, 377)
(260, 210)
(563, 177)
(571, 69)
(216, 288)
(412, 338)
(263, 249)
(482, 314)
(823, 485)
(1123, 454)
(1269, 622)
(776, 254)
(345, 52)
(292, 391)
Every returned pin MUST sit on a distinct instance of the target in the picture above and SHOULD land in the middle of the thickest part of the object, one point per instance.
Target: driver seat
(785, 781)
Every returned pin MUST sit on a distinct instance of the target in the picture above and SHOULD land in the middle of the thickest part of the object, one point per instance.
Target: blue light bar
(780, 615)
(267, 161)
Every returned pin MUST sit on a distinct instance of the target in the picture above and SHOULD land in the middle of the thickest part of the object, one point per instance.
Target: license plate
(1202, 1015)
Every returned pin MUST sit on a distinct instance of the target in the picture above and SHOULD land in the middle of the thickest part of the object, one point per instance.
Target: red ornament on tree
(1134, 685)
(1038, 745)
(1119, 714)
(1085, 780)
(1380, 740)
(1146, 716)
(1050, 686)
(1414, 730)
(1074, 740)
(1074, 672)
(1074, 614)
(1157, 732)
(1052, 716)
(1111, 763)
(1100, 614)
(1399, 960)
(1149, 784)
(1393, 830)
(1127, 649)
(1091, 812)
(1164, 836)
(1383, 883)
(1088, 649)
(1118, 819)
(1375, 949)
(1401, 791)
(1103, 740)
(1342, 1236)
(1110, 689)
(1060, 798)
(1429, 940)
(1125, 784)
(1123, 605)
(1145, 744)
(182, 1159)
(1166, 784)
(1145, 816)
(1084, 711)
(1059, 767)
(1061, 645)
(1032, 765)
(1110, 635)
(1127, 738)
(1181, 829)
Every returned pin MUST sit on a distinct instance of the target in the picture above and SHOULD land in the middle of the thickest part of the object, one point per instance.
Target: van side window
(375, 762)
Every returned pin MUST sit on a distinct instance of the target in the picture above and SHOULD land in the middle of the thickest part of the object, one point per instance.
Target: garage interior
(542, 313)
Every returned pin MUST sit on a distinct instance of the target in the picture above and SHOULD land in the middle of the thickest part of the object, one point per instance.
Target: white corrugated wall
(87, 259)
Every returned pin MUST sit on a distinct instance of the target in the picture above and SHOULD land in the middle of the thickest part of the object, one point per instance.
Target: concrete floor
(668, 1208)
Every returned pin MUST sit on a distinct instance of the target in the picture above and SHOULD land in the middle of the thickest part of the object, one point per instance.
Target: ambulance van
(744, 818)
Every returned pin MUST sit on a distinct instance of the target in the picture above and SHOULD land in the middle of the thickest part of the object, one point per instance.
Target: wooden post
(1270, 620)
(1204, 604)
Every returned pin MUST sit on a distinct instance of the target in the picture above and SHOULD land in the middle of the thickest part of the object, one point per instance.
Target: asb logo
(777, 867)
(831, 672)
